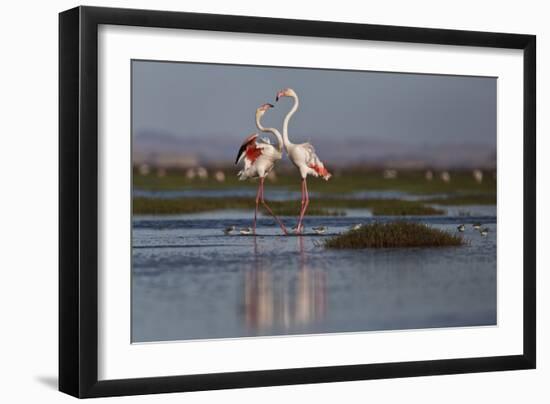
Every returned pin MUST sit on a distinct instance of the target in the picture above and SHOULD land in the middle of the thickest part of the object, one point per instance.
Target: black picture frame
(78, 201)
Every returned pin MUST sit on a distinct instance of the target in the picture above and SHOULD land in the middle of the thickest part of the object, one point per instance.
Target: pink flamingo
(260, 157)
(302, 156)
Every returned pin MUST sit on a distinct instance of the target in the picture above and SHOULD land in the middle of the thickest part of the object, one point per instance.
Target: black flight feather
(241, 151)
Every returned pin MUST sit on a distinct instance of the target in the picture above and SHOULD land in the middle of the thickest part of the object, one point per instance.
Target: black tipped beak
(276, 98)
(271, 105)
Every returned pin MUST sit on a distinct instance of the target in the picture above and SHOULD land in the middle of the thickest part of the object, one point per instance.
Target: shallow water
(190, 281)
(277, 194)
(274, 194)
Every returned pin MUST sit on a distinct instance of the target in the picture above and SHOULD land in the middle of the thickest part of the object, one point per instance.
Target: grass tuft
(394, 235)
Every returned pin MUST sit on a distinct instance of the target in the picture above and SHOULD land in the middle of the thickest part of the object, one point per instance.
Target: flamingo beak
(265, 107)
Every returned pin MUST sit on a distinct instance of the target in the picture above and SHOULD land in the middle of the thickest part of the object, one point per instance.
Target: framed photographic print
(251, 201)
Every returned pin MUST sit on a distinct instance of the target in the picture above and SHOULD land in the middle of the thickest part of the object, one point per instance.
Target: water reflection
(288, 299)
(191, 281)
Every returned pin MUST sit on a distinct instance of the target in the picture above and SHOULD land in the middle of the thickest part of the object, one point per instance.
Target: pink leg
(258, 194)
(301, 206)
(269, 209)
(305, 203)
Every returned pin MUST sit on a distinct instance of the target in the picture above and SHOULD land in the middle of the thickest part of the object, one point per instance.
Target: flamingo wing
(314, 162)
(249, 149)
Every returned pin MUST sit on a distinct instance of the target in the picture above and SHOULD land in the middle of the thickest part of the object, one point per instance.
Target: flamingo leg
(298, 226)
(258, 195)
(305, 203)
(264, 203)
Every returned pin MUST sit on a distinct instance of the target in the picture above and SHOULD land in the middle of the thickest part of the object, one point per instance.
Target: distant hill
(172, 150)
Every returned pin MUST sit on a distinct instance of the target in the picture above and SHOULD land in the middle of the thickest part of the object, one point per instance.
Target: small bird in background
(484, 231)
(356, 227)
(476, 225)
(461, 228)
(229, 230)
(320, 229)
(246, 231)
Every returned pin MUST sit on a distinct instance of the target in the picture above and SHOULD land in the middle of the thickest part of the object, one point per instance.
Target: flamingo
(302, 156)
(260, 157)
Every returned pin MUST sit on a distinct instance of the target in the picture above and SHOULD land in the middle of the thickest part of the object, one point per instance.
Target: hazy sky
(205, 107)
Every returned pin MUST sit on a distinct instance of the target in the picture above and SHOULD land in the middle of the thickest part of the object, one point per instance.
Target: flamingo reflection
(287, 299)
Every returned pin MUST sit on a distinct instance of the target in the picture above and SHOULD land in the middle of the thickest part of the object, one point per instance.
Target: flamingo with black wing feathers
(259, 157)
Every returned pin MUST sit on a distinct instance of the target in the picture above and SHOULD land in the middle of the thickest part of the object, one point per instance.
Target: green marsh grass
(344, 181)
(457, 200)
(317, 207)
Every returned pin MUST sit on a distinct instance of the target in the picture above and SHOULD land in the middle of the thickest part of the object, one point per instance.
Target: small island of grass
(394, 235)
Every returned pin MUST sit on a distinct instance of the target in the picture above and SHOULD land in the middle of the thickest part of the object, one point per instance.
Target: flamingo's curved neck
(294, 108)
(273, 131)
